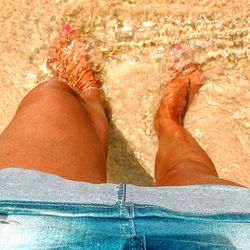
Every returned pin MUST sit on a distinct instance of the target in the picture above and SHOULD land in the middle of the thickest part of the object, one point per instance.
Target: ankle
(167, 123)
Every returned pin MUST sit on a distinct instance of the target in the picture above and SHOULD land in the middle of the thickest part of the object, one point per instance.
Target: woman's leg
(54, 132)
(58, 130)
(180, 160)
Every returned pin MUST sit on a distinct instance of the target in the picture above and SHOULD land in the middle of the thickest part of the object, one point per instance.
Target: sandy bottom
(131, 38)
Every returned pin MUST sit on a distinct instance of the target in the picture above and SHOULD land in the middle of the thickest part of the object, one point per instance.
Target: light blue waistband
(18, 184)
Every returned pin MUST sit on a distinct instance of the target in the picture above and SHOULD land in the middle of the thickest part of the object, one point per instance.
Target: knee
(47, 92)
(52, 85)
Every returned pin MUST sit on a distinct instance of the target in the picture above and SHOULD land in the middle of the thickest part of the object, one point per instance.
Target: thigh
(192, 173)
(52, 132)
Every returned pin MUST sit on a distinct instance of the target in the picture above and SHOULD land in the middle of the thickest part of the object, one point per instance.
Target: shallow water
(131, 38)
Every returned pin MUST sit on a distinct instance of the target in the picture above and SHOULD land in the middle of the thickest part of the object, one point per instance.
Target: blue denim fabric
(92, 216)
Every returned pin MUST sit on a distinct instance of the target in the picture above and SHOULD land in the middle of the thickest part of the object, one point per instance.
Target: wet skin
(60, 127)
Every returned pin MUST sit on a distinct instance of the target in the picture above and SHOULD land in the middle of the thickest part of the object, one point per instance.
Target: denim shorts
(44, 211)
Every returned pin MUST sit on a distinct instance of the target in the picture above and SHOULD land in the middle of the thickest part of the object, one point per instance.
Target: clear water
(130, 39)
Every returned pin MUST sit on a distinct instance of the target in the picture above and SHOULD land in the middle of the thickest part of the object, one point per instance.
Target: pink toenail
(178, 47)
(67, 27)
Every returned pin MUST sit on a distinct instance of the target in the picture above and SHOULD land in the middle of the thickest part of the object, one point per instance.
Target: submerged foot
(69, 60)
(179, 93)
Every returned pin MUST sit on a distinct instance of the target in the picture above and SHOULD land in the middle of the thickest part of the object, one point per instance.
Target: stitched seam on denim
(121, 193)
(141, 242)
(144, 242)
(131, 227)
(122, 213)
(124, 192)
(190, 213)
(132, 241)
(131, 219)
(132, 209)
(122, 226)
(145, 206)
(56, 205)
(130, 195)
(102, 206)
(121, 199)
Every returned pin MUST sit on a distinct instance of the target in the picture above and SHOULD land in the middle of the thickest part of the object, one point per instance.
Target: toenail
(67, 28)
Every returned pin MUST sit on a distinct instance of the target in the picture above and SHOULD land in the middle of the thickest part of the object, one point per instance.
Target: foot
(183, 85)
(69, 62)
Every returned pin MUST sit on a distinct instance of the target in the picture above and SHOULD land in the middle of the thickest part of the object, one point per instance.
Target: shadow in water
(123, 167)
